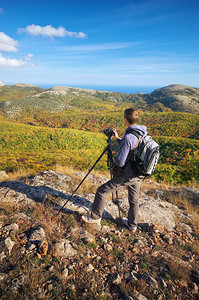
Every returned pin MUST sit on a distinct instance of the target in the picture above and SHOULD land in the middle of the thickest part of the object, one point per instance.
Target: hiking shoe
(132, 228)
(88, 219)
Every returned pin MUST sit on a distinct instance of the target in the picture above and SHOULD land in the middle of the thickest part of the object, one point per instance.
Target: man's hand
(116, 134)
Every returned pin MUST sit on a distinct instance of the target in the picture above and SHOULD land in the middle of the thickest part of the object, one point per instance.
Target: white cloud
(50, 31)
(29, 56)
(7, 44)
(11, 62)
(98, 47)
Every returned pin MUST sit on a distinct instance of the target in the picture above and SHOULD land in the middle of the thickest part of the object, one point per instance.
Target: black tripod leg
(84, 178)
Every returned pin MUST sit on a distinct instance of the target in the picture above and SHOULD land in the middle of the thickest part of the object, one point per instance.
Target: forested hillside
(41, 128)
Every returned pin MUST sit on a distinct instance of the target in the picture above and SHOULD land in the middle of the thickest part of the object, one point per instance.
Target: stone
(139, 296)
(37, 236)
(175, 259)
(50, 268)
(50, 287)
(17, 283)
(194, 287)
(150, 280)
(64, 273)
(3, 276)
(108, 247)
(170, 287)
(22, 216)
(82, 234)
(9, 244)
(138, 243)
(2, 255)
(89, 268)
(31, 247)
(11, 229)
(3, 173)
(132, 276)
(162, 282)
(157, 212)
(117, 279)
(64, 248)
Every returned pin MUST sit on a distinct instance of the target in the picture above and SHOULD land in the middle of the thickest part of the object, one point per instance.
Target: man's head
(131, 116)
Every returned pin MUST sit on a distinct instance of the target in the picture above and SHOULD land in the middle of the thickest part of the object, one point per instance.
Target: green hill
(38, 148)
(41, 128)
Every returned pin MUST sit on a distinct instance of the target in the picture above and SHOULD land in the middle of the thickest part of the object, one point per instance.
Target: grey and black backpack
(144, 157)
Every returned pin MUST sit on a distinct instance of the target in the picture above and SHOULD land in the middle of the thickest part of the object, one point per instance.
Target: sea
(109, 88)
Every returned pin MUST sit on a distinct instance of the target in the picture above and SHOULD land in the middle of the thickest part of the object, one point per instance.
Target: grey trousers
(113, 185)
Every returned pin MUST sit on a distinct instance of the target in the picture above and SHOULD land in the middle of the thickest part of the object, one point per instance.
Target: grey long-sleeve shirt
(127, 143)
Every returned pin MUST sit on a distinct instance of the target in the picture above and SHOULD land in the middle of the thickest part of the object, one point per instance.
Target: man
(127, 178)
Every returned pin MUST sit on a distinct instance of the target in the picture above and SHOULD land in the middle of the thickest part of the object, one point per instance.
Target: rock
(117, 279)
(138, 243)
(185, 228)
(49, 287)
(37, 236)
(3, 173)
(10, 230)
(168, 256)
(150, 280)
(50, 183)
(93, 226)
(31, 247)
(3, 276)
(170, 287)
(50, 268)
(9, 244)
(17, 283)
(2, 255)
(22, 216)
(194, 287)
(51, 179)
(82, 234)
(64, 248)
(167, 238)
(89, 268)
(108, 247)
(64, 273)
(157, 212)
(158, 228)
(1, 83)
(139, 296)
(162, 282)
(132, 276)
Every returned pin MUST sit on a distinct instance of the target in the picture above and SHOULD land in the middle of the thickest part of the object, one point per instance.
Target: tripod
(109, 164)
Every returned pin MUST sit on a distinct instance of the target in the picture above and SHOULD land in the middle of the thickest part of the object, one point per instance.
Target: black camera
(109, 132)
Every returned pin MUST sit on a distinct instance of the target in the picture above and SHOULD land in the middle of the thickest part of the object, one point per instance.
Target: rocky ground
(45, 255)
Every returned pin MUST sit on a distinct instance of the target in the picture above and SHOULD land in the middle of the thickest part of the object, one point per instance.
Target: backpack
(144, 157)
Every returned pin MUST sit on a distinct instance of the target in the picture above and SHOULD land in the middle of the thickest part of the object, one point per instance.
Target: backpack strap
(132, 131)
(131, 153)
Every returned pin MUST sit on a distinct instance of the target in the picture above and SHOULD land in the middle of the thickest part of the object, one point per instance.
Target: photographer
(124, 175)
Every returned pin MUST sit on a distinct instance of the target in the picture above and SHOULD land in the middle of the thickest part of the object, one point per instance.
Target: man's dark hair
(131, 115)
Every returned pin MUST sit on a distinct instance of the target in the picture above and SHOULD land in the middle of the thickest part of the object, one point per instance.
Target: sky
(106, 42)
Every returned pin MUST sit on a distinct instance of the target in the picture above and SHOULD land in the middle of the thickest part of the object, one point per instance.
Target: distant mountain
(17, 97)
(178, 97)
(23, 85)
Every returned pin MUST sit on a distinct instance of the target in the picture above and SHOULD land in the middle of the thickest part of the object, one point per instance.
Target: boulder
(65, 249)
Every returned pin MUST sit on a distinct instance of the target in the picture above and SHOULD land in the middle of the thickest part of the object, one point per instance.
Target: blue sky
(112, 42)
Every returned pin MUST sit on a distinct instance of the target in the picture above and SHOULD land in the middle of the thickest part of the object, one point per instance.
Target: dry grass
(20, 173)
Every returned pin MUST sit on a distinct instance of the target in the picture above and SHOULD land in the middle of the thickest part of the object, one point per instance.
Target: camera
(109, 132)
